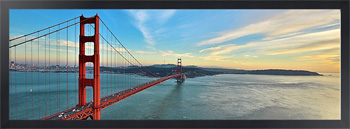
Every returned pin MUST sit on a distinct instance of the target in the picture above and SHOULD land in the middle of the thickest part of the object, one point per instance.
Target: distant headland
(194, 71)
(165, 69)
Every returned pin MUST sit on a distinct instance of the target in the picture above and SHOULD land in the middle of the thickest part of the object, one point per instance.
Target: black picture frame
(343, 5)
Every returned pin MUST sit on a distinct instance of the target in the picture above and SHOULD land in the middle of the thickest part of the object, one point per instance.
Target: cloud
(70, 44)
(217, 58)
(250, 56)
(165, 15)
(146, 52)
(144, 17)
(216, 48)
(285, 23)
(60, 50)
(190, 55)
(331, 56)
(224, 49)
(314, 46)
(315, 41)
(171, 53)
(146, 34)
(141, 17)
(322, 47)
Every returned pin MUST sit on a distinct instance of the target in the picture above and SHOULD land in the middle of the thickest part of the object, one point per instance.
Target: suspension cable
(46, 34)
(126, 49)
(43, 29)
(123, 56)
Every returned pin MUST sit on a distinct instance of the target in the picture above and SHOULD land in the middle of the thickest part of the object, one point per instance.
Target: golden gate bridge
(97, 44)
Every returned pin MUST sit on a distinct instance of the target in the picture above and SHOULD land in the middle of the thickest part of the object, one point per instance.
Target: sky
(240, 39)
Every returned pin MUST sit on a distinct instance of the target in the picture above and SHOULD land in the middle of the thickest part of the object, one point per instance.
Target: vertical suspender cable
(125, 72)
(124, 87)
(25, 56)
(106, 64)
(108, 69)
(75, 62)
(39, 80)
(129, 75)
(67, 69)
(111, 69)
(113, 72)
(101, 64)
(112, 58)
(49, 72)
(118, 65)
(11, 79)
(115, 77)
(126, 76)
(16, 90)
(31, 69)
(59, 69)
(45, 82)
(15, 72)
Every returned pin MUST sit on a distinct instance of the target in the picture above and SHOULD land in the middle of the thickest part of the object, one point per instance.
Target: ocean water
(219, 97)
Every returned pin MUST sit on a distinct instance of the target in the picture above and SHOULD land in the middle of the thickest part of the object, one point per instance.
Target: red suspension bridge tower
(179, 79)
(95, 59)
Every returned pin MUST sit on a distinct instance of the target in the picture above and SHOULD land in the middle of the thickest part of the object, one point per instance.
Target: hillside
(194, 71)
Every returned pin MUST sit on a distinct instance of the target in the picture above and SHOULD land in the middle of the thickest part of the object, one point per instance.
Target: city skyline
(238, 39)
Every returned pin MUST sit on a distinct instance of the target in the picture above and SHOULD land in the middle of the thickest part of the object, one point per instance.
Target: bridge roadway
(83, 112)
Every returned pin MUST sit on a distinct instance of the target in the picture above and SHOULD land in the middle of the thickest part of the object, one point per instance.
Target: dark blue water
(219, 97)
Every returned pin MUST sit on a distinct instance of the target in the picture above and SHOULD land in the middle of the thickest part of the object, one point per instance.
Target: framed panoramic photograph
(175, 64)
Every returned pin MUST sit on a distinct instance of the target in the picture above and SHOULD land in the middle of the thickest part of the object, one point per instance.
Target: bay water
(218, 97)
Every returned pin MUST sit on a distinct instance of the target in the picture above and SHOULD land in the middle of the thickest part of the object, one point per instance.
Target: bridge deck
(83, 112)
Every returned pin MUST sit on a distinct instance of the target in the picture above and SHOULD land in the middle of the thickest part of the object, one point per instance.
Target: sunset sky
(240, 39)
